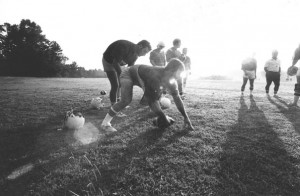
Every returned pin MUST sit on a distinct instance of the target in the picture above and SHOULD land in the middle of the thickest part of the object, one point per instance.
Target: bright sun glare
(219, 34)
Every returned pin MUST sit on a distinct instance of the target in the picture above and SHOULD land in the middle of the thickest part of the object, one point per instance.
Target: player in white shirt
(273, 69)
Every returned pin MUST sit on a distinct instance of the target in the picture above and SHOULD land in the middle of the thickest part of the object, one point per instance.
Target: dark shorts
(107, 66)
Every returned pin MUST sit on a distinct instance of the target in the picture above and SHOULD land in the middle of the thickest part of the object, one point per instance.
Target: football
(292, 70)
(103, 92)
(165, 102)
(161, 123)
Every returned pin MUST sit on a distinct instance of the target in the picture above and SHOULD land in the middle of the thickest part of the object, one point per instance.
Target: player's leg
(276, 83)
(245, 80)
(126, 97)
(296, 92)
(269, 82)
(114, 83)
(251, 85)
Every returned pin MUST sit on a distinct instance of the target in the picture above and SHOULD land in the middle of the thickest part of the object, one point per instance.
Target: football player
(154, 81)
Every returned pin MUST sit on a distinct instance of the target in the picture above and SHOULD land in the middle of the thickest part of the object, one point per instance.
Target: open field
(241, 145)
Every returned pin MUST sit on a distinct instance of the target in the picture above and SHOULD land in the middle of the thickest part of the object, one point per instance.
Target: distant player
(157, 56)
(297, 85)
(187, 64)
(173, 52)
(154, 81)
(249, 67)
(273, 69)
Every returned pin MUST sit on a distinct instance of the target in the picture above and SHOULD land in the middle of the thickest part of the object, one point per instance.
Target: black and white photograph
(149, 97)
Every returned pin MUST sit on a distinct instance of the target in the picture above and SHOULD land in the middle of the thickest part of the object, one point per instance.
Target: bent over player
(117, 54)
(154, 81)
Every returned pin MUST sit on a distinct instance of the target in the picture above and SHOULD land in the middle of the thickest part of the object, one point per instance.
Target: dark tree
(27, 52)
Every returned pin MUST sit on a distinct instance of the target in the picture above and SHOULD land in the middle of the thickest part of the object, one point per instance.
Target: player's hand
(170, 120)
(188, 124)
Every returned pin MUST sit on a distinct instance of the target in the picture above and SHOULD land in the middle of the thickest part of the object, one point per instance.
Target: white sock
(106, 120)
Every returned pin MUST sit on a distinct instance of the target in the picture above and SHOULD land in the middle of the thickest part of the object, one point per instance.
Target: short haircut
(176, 41)
(144, 44)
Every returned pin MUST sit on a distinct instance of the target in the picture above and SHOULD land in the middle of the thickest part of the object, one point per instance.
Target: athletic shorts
(107, 66)
(132, 74)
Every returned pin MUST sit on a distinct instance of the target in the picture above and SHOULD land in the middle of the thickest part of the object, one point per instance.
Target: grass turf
(241, 145)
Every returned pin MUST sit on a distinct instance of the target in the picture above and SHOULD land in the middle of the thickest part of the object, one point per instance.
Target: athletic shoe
(108, 128)
(120, 114)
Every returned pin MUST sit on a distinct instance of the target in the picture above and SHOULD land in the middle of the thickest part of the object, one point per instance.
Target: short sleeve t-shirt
(273, 65)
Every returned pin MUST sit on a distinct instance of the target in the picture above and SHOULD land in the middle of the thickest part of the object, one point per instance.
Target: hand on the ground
(188, 124)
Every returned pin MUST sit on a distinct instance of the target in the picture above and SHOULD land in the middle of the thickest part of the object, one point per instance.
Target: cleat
(108, 128)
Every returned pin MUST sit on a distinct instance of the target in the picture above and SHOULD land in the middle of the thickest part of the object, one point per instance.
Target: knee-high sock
(109, 116)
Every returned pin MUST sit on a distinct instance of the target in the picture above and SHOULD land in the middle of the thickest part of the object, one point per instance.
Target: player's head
(184, 51)
(160, 45)
(174, 69)
(274, 54)
(177, 43)
(143, 47)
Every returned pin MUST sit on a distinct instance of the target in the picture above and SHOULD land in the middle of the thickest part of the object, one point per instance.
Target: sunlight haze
(219, 34)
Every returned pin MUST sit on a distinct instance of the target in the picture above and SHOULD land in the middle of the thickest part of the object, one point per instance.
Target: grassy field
(241, 145)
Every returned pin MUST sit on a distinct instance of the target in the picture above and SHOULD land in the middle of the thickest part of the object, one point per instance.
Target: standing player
(157, 56)
(173, 52)
(273, 69)
(249, 67)
(297, 85)
(187, 64)
(120, 53)
(154, 81)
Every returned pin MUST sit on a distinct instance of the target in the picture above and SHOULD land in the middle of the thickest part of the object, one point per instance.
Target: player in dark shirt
(120, 53)
(154, 81)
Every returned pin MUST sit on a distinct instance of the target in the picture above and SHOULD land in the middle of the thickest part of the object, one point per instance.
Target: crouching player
(154, 81)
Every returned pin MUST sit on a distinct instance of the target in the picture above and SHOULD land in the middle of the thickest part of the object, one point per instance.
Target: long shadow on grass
(17, 148)
(291, 113)
(128, 163)
(144, 156)
(254, 160)
(27, 146)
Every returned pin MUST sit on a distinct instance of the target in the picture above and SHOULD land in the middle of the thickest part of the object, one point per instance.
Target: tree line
(26, 52)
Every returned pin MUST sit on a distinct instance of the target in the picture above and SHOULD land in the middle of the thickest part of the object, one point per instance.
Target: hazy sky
(219, 34)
